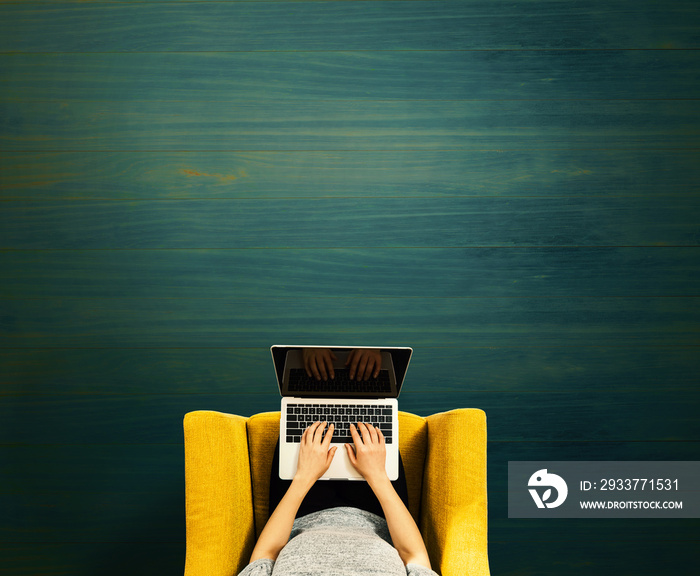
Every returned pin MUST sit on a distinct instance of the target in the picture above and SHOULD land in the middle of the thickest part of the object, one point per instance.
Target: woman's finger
(355, 435)
(380, 435)
(311, 430)
(366, 435)
(373, 433)
(329, 434)
(318, 434)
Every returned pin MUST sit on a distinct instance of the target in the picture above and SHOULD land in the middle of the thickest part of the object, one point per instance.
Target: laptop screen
(389, 364)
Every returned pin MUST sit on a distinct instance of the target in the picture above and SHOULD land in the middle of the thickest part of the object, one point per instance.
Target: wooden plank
(349, 125)
(441, 75)
(398, 272)
(350, 223)
(407, 173)
(134, 371)
(260, 322)
(656, 415)
(583, 557)
(71, 517)
(117, 418)
(564, 416)
(81, 517)
(106, 559)
(81, 470)
(518, 531)
(238, 370)
(419, 25)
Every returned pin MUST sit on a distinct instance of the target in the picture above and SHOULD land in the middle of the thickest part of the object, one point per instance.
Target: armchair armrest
(454, 503)
(218, 494)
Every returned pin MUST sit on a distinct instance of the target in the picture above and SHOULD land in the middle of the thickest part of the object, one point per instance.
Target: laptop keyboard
(300, 381)
(301, 416)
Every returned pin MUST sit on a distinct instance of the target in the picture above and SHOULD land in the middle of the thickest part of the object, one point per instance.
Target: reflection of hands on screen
(365, 362)
(318, 362)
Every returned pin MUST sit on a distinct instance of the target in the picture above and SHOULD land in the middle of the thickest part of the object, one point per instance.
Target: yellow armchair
(228, 460)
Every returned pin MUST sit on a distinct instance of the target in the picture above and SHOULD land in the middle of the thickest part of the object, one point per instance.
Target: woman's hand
(369, 454)
(315, 457)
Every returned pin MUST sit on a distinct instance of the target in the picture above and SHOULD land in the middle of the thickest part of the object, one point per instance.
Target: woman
(343, 540)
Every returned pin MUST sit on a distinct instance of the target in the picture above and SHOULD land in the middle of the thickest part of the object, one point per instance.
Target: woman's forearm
(315, 456)
(278, 528)
(405, 535)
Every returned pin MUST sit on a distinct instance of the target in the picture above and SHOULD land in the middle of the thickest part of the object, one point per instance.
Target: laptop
(342, 400)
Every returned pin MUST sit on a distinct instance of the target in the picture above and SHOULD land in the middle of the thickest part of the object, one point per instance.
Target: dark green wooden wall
(511, 188)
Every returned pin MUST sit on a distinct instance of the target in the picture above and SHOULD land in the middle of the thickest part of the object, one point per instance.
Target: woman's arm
(315, 457)
(369, 457)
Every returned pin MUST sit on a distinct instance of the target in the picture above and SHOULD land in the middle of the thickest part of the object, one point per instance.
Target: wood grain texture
(142, 175)
(510, 188)
(352, 125)
(350, 223)
(360, 75)
(396, 272)
(608, 558)
(244, 322)
(79, 559)
(417, 25)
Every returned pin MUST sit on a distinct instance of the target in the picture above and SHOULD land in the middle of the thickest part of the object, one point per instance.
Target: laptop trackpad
(341, 468)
